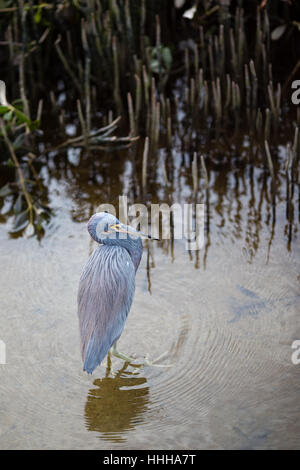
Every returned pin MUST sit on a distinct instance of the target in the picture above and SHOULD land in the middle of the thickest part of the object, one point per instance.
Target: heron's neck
(133, 246)
(135, 250)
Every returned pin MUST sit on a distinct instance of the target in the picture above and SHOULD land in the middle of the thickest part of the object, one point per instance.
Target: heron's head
(100, 226)
(106, 229)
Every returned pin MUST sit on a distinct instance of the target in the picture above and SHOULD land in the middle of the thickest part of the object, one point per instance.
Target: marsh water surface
(225, 317)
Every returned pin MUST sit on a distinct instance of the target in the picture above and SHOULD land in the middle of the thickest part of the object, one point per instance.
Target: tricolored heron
(106, 288)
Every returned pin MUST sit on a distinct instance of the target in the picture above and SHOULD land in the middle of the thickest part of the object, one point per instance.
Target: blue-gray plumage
(106, 287)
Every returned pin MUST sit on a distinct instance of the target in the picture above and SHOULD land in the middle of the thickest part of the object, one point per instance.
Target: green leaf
(21, 221)
(5, 190)
(167, 57)
(17, 143)
(4, 109)
(18, 103)
(8, 116)
(38, 15)
(10, 163)
(154, 65)
(278, 32)
(34, 124)
(18, 204)
(22, 117)
(297, 24)
(160, 59)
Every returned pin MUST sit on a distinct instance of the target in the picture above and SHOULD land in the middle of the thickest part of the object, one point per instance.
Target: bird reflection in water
(118, 403)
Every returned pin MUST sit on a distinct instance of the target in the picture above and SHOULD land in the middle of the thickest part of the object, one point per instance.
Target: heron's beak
(131, 231)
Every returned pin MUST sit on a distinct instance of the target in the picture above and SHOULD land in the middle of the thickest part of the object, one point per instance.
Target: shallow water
(226, 317)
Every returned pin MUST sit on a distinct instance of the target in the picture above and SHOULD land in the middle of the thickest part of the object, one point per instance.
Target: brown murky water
(226, 317)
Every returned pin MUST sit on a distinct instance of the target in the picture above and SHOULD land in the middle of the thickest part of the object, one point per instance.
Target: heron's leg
(120, 355)
(109, 367)
(146, 362)
(153, 363)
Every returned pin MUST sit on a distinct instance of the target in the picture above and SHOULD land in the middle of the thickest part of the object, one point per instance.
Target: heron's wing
(105, 296)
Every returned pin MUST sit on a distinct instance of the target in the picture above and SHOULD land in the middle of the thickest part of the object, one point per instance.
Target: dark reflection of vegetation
(117, 404)
(218, 85)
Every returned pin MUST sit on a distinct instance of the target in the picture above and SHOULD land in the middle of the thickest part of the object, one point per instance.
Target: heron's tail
(95, 353)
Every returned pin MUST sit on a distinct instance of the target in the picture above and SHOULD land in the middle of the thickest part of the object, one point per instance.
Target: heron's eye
(105, 228)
